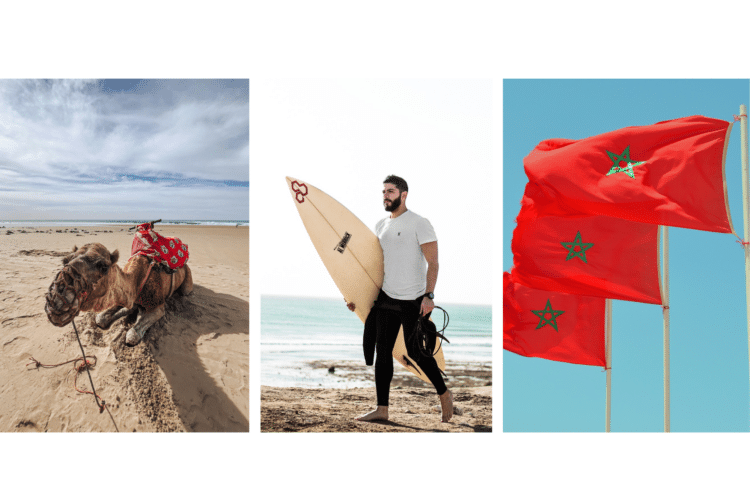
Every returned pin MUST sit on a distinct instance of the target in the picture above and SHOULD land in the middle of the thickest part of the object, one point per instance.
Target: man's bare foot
(446, 404)
(379, 414)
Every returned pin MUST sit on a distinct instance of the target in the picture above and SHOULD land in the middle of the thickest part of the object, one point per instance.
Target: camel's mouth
(65, 296)
(60, 319)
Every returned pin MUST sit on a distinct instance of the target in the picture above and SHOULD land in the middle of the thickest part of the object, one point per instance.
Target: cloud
(70, 145)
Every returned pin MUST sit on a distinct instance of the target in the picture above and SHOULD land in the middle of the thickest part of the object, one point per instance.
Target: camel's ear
(114, 256)
(68, 258)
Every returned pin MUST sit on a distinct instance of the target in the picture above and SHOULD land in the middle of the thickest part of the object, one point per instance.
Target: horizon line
(341, 298)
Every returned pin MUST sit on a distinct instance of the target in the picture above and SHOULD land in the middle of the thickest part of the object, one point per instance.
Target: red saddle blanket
(150, 243)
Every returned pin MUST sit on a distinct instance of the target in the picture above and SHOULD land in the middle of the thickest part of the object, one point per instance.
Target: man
(408, 240)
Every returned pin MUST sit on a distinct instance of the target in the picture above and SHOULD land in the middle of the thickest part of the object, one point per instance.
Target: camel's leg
(144, 321)
(187, 283)
(108, 317)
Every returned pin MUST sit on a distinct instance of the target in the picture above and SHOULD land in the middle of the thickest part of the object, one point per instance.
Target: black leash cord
(420, 338)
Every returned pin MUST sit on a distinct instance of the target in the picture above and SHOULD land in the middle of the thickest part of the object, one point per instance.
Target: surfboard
(352, 255)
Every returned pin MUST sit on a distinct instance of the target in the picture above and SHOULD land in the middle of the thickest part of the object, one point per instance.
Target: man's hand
(427, 306)
(350, 305)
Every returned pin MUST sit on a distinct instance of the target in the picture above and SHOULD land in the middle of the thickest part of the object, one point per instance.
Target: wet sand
(414, 405)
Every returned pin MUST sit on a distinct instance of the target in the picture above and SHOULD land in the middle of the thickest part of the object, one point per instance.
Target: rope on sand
(84, 365)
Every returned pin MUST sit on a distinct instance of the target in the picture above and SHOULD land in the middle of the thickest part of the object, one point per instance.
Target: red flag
(670, 173)
(551, 325)
(593, 256)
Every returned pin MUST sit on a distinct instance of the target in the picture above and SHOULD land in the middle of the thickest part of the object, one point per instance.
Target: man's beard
(394, 205)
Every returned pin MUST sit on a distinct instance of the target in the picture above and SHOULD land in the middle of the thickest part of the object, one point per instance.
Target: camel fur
(98, 284)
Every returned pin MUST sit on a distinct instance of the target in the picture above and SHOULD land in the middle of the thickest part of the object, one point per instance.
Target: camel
(91, 280)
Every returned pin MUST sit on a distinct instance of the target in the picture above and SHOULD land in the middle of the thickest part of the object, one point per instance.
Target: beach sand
(190, 373)
(413, 405)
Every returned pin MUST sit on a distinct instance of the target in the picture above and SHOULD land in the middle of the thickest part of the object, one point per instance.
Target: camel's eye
(102, 266)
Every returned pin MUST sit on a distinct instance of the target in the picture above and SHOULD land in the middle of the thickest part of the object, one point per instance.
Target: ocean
(295, 331)
(95, 223)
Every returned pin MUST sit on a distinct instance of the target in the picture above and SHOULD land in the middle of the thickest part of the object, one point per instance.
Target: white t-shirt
(404, 264)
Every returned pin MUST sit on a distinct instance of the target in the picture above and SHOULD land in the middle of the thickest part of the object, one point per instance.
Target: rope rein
(78, 368)
(38, 364)
(85, 364)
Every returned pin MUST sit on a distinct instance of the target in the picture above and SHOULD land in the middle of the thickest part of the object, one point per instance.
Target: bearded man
(410, 254)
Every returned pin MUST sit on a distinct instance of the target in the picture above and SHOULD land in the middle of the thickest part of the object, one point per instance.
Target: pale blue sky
(124, 149)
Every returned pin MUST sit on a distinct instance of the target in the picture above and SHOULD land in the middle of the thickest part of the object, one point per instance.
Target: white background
(386, 39)
(344, 137)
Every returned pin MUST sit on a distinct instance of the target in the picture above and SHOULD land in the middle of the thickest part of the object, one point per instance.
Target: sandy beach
(190, 373)
(414, 407)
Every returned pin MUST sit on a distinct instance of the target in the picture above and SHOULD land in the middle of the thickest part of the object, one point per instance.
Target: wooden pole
(745, 209)
(608, 360)
(665, 316)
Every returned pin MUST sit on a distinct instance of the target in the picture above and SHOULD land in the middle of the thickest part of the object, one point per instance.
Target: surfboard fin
(410, 364)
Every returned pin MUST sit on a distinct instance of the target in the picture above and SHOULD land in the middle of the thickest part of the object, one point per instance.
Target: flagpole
(608, 359)
(665, 316)
(745, 209)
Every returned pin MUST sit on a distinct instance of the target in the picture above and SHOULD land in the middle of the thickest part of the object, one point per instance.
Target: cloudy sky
(124, 149)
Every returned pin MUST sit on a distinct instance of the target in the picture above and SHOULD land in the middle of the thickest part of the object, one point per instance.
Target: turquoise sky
(709, 341)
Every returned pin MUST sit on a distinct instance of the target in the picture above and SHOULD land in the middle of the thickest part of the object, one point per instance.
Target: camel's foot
(133, 337)
(446, 404)
(379, 414)
(142, 324)
(105, 319)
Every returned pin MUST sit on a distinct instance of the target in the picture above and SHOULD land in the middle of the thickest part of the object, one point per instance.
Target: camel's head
(81, 279)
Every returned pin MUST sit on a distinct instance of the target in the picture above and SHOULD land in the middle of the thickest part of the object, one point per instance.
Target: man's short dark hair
(400, 183)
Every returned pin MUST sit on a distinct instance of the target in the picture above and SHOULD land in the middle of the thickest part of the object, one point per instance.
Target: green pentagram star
(573, 252)
(552, 321)
(625, 158)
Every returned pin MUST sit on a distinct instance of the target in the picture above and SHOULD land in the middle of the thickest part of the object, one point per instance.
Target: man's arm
(430, 252)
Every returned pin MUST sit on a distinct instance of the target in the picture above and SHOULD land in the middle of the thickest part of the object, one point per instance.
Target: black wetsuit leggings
(388, 323)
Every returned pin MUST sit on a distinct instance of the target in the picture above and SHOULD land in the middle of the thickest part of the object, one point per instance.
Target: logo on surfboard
(341, 246)
(298, 194)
